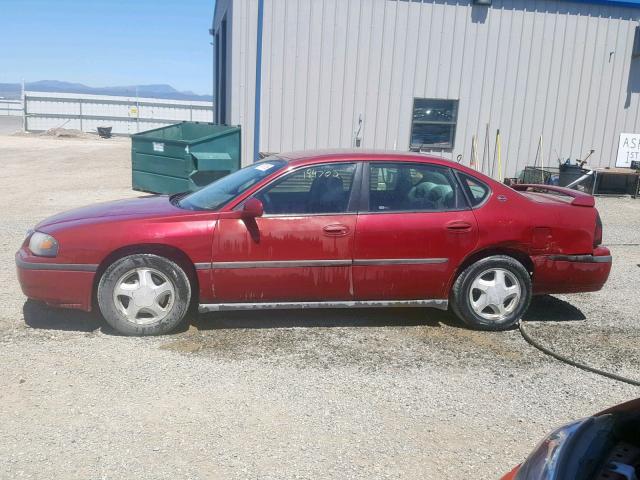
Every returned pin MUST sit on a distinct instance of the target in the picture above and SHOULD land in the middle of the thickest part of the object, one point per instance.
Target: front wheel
(144, 294)
(492, 294)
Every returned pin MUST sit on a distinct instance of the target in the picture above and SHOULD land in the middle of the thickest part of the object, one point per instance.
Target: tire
(493, 280)
(144, 294)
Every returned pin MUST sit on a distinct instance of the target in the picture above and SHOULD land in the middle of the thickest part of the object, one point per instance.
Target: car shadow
(544, 308)
(356, 317)
(547, 308)
(39, 315)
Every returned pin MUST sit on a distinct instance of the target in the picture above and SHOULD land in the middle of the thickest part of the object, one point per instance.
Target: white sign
(158, 147)
(263, 167)
(628, 149)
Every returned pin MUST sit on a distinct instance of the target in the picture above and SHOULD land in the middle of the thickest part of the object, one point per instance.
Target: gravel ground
(317, 394)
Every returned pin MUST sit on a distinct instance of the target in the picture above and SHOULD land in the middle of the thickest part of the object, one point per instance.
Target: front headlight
(542, 463)
(43, 245)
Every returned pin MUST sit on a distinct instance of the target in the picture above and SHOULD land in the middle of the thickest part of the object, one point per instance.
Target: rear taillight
(597, 235)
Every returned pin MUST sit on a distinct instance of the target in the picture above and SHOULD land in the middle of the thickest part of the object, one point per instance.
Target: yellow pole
(499, 156)
(542, 159)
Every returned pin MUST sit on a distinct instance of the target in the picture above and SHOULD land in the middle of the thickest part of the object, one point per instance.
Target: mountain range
(12, 91)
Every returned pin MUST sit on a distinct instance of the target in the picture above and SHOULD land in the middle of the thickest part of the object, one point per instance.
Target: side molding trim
(440, 304)
(399, 261)
(70, 267)
(281, 264)
(318, 263)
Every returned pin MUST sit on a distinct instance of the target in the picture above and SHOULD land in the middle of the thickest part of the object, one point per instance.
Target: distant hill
(12, 90)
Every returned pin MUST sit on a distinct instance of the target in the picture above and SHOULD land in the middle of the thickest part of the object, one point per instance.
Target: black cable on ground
(571, 362)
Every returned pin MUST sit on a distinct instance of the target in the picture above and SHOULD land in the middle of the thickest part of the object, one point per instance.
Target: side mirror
(252, 208)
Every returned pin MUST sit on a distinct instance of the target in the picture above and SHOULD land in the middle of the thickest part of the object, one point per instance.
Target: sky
(104, 43)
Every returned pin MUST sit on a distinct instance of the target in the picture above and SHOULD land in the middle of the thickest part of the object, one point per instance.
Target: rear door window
(413, 187)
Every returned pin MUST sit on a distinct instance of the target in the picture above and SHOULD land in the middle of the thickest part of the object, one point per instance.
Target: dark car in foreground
(605, 446)
(321, 229)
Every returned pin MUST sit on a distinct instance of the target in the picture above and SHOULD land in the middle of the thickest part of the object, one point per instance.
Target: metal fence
(126, 115)
(12, 108)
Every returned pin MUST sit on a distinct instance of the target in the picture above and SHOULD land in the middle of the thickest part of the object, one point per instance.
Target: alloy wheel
(495, 294)
(144, 295)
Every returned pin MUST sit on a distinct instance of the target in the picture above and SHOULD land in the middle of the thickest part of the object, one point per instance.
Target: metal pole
(581, 179)
(24, 108)
(499, 156)
(485, 151)
(258, 91)
(542, 158)
(80, 100)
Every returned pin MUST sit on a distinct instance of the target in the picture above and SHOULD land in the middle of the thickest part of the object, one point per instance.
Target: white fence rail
(12, 108)
(126, 115)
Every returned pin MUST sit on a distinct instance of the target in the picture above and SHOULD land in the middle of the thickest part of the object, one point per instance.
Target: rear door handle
(336, 230)
(459, 226)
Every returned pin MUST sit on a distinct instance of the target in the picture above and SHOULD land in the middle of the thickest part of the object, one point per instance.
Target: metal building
(430, 75)
(126, 115)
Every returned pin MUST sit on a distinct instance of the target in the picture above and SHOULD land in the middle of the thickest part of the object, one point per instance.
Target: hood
(152, 206)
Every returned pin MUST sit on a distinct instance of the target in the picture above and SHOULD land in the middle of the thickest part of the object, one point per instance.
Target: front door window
(319, 189)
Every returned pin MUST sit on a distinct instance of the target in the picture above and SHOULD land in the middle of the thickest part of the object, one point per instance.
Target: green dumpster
(183, 157)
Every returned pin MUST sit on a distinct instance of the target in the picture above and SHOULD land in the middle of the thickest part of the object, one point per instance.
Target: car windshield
(218, 193)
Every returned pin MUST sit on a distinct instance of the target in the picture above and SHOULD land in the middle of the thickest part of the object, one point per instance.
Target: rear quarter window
(477, 191)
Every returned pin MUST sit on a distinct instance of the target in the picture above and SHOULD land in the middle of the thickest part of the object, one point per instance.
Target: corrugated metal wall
(562, 70)
(45, 110)
(242, 17)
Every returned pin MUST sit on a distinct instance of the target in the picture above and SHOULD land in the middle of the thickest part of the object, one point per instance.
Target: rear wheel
(144, 294)
(492, 294)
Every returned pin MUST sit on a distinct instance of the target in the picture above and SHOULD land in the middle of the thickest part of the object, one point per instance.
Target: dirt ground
(402, 393)
(10, 125)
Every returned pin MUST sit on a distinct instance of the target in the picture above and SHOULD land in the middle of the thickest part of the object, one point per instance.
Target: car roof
(340, 155)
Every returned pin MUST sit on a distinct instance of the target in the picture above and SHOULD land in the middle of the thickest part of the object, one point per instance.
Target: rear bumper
(571, 273)
(56, 284)
(581, 258)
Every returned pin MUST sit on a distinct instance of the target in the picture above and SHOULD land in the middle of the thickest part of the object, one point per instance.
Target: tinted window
(476, 190)
(316, 189)
(397, 187)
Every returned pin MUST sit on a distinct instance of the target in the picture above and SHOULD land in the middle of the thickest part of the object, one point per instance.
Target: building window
(434, 123)
(635, 52)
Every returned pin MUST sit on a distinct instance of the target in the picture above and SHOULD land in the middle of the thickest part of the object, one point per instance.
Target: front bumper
(57, 284)
(571, 273)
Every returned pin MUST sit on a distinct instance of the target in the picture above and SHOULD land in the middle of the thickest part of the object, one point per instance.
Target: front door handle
(336, 230)
(459, 226)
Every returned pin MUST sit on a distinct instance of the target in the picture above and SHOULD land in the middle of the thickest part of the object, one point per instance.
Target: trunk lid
(548, 193)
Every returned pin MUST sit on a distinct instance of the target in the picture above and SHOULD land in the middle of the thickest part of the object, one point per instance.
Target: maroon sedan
(321, 229)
